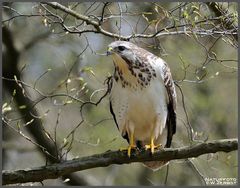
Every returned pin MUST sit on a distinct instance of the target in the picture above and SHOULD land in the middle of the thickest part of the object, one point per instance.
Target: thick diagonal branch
(87, 19)
(115, 157)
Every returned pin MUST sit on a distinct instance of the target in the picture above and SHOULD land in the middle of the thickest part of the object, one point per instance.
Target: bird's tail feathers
(155, 165)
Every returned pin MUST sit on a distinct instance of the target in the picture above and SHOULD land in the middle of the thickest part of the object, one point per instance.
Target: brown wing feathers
(171, 118)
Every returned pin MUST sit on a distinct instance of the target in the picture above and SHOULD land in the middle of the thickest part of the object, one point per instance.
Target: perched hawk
(142, 98)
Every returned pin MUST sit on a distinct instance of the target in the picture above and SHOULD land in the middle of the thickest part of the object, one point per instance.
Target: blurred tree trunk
(10, 70)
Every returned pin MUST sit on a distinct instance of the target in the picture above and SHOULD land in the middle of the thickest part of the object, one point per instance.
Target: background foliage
(61, 65)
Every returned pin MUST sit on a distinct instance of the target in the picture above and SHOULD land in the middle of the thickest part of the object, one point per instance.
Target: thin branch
(71, 12)
(166, 177)
(99, 29)
(229, 22)
(103, 11)
(115, 157)
(36, 129)
(196, 170)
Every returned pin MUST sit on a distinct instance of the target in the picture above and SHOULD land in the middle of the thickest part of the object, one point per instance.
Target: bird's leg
(152, 146)
(131, 145)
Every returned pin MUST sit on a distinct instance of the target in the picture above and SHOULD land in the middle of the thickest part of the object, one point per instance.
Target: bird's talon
(152, 147)
(128, 149)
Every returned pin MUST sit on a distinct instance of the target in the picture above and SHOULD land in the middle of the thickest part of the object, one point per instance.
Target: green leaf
(88, 70)
(6, 108)
(22, 107)
(185, 14)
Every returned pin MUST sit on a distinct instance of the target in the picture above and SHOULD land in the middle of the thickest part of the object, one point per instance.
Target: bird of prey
(142, 98)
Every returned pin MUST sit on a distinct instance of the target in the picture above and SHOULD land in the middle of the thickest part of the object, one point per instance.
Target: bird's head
(132, 63)
(119, 47)
(122, 52)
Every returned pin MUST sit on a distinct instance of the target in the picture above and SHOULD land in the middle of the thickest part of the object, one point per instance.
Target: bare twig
(228, 21)
(98, 29)
(196, 170)
(35, 128)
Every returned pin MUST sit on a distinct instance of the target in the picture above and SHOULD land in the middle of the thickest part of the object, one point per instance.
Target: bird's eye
(121, 48)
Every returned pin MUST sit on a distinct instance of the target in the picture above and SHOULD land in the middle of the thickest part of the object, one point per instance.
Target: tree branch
(35, 128)
(99, 29)
(228, 20)
(88, 20)
(115, 157)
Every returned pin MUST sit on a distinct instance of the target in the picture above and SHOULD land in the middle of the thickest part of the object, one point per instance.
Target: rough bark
(115, 157)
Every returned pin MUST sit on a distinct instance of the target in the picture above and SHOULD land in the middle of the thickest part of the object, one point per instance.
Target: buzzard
(142, 98)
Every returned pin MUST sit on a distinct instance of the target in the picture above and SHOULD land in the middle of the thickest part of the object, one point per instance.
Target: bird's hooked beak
(109, 51)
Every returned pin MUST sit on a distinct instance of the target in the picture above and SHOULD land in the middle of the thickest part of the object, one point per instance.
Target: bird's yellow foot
(129, 148)
(152, 146)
